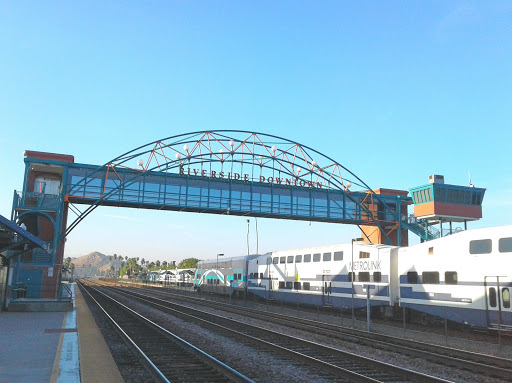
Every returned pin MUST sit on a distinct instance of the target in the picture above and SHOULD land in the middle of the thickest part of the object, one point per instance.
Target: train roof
(468, 235)
(236, 258)
(326, 247)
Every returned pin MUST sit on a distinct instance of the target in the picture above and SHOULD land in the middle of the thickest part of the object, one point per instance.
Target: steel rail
(358, 368)
(205, 364)
(476, 362)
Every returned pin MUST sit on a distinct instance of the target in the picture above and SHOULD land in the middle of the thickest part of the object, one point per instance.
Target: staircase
(426, 233)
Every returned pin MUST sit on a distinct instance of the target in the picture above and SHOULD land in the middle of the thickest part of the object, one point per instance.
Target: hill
(92, 264)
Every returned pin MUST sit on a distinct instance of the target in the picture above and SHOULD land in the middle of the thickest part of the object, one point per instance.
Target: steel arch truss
(223, 161)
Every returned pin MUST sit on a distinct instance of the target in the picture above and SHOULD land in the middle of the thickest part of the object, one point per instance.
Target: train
(465, 277)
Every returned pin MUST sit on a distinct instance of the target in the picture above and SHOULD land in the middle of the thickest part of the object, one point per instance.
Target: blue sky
(393, 90)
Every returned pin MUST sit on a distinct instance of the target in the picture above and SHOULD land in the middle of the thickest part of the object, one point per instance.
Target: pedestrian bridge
(231, 172)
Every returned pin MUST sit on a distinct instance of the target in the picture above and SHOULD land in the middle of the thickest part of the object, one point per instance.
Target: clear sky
(393, 90)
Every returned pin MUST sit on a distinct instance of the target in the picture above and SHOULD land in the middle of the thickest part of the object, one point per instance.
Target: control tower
(437, 203)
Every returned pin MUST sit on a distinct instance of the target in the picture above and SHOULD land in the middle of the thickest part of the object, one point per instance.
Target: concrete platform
(40, 305)
(54, 347)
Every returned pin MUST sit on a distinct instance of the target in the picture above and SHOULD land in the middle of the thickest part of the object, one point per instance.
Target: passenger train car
(326, 275)
(465, 277)
(227, 276)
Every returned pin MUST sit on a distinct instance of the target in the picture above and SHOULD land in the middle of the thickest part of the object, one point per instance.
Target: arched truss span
(253, 157)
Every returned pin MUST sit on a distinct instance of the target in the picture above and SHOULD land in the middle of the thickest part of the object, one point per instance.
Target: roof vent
(435, 179)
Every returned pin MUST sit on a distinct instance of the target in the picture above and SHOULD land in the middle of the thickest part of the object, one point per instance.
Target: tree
(164, 264)
(157, 263)
(188, 263)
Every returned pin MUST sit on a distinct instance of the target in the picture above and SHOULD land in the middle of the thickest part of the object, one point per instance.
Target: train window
(377, 276)
(492, 296)
(281, 284)
(430, 277)
(289, 259)
(235, 277)
(275, 260)
(327, 257)
(298, 258)
(505, 294)
(316, 257)
(480, 246)
(351, 276)
(338, 255)
(364, 276)
(450, 277)
(282, 260)
(430, 251)
(307, 257)
(296, 285)
(364, 254)
(261, 275)
(289, 285)
(412, 277)
(505, 245)
(305, 286)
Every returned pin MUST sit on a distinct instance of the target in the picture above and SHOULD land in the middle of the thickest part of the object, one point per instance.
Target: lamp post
(248, 221)
(217, 272)
(257, 239)
(352, 276)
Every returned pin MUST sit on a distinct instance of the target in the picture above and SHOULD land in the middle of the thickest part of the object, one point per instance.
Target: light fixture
(140, 162)
(298, 169)
(186, 147)
(178, 156)
(221, 151)
(231, 143)
(313, 163)
(348, 185)
(273, 148)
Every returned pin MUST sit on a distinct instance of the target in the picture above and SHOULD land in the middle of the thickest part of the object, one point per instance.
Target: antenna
(470, 184)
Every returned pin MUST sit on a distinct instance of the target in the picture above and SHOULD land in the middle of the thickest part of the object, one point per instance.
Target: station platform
(55, 347)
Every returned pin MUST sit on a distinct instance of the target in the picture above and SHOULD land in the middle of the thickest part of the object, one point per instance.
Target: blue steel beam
(28, 238)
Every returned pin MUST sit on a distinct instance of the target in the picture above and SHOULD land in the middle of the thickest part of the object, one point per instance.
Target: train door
(326, 290)
(497, 301)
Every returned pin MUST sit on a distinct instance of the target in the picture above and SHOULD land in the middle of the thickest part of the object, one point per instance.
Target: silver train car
(465, 277)
(327, 275)
(226, 276)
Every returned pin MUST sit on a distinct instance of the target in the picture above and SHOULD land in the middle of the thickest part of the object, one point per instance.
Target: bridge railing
(37, 200)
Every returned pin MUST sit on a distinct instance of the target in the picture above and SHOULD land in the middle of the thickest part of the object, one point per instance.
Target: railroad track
(332, 364)
(166, 356)
(477, 363)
